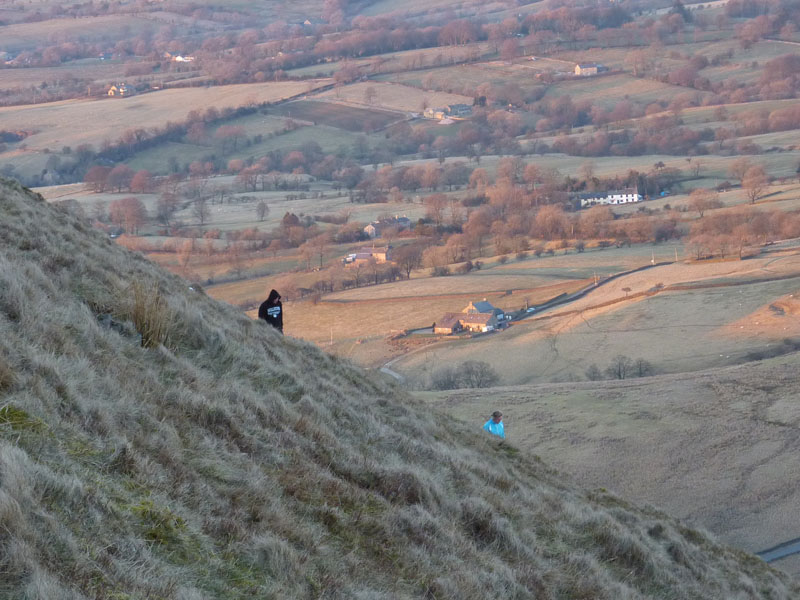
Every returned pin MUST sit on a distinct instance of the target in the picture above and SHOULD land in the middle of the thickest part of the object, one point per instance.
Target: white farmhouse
(614, 197)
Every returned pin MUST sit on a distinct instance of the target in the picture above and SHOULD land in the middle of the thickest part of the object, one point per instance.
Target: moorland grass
(236, 463)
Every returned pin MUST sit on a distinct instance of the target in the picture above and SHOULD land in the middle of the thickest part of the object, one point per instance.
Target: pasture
(463, 79)
(560, 344)
(23, 36)
(391, 62)
(394, 96)
(716, 448)
(239, 209)
(90, 70)
(362, 329)
(76, 122)
(606, 90)
(422, 300)
(337, 115)
(156, 160)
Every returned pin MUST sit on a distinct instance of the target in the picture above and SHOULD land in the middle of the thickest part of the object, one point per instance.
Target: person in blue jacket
(495, 424)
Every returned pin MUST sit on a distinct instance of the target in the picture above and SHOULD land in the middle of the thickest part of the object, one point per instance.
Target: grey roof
(483, 307)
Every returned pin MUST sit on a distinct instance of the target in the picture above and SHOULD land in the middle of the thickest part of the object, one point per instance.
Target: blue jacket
(495, 428)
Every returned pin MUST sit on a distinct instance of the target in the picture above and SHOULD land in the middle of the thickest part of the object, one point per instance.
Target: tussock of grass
(215, 458)
(150, 314)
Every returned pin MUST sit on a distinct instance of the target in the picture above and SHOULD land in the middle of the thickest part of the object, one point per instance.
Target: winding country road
(780, 551)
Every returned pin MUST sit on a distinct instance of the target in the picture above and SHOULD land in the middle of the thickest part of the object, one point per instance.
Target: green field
(348, 118)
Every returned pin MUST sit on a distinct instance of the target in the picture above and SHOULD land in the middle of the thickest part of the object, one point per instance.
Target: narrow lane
(780, 551)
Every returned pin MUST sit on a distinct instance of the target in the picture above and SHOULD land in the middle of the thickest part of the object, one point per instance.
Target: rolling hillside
(155, 443)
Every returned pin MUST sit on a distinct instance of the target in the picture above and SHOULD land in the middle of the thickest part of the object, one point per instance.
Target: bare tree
(702, 199)
(200, 210)
(262, 210)
(128, 213)
(754, 183)
(620, 367)
(409, 257)
(739, 167)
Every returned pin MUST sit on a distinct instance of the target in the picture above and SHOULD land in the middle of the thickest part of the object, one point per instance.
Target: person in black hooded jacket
(271, 310)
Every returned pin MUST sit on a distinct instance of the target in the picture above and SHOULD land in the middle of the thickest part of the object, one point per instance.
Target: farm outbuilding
(376, 228)
(448, 324)
(587, 69)
(365, 254)
(478, 322)
(120, 90)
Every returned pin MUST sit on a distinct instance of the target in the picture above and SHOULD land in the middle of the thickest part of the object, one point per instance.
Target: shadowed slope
(716, 447)
(155, 443)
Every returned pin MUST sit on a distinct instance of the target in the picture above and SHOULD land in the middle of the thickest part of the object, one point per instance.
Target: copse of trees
(731, 232)
(470, 374)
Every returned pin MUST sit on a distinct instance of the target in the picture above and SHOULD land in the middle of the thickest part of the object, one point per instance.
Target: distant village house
(120, 90)
(477, 317)
(617, 197)
(376, 228)
(448, 112)
(587, 69)
(366, 254)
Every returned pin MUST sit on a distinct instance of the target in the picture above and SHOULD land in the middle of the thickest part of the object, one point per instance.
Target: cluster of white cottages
(616, 197)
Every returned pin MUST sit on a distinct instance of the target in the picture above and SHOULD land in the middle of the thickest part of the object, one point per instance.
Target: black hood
(274, 296)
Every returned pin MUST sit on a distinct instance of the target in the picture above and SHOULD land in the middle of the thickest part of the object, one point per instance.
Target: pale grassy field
(778, 164)
(784, 197)
(238, 215)
(359, 320)
(75, 122)
(423, 6)
(394, 96)
(94, 70)
(330, 139)
(493, 281)
(30, 35)
(747, 64)
(562, 343)
(471, 75)
(607, 90)
(717, 448)
(359, 328)
(393, 61)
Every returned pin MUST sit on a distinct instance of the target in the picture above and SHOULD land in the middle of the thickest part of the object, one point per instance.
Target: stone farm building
(587, 69)
(479, 317)
(615, 197)
(365, 254)
(120, 90)
(376, 228)
(449, 111)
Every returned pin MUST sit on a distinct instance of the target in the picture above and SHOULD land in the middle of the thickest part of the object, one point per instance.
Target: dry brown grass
(75, 122)
(395, 96)
(149, 313)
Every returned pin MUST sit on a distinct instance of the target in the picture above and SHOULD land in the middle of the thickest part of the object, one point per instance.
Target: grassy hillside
(718, 447)
(156, 444)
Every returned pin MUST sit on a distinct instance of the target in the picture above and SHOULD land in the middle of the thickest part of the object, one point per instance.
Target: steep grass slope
(156, 444)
